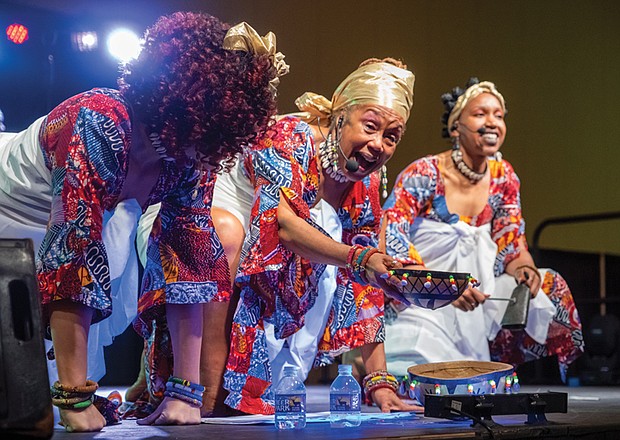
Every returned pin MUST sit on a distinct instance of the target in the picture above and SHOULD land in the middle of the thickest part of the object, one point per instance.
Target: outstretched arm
(386, 399)
(301, 238)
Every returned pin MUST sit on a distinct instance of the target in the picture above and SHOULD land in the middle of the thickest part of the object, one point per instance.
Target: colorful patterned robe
(86, 142)
(278, 286)
(420, 191)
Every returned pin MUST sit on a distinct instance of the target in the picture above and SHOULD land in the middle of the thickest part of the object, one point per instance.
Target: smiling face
(370, 135)
(484, 112)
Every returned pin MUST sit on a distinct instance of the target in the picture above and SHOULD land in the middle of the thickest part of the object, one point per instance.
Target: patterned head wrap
(471, 93)
(243, 37)
(377, 83)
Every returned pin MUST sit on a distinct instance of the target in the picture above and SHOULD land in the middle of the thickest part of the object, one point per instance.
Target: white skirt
(419, 336)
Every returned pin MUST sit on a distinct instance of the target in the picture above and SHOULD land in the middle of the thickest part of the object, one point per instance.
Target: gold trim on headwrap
(471, 93)
(378, 83)
(243, 37)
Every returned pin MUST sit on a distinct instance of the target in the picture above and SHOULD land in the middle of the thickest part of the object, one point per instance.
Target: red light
(17, 33)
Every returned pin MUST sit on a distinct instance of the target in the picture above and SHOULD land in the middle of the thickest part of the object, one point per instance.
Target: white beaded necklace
(459, 163)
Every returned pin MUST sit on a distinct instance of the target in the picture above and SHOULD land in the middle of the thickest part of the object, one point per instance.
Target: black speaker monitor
(25, 402)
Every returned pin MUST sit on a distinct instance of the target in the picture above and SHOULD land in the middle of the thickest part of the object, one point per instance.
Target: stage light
(84, 41)
(123, 44)
(17, 33)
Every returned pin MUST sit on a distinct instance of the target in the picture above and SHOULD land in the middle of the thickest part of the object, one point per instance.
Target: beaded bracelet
(184, 390)
(356, 267)
(187, 383)
(376, 380)
(73, 403)
(369, 254)
(73, 397)
(352, 251)
(192, 401)
(353, 260)
(90, 387)
(188, 389)
(187, 394)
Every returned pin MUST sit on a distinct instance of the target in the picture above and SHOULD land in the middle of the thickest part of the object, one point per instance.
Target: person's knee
(229, 230)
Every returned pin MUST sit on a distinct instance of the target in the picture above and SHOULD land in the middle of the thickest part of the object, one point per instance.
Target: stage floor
(593, 413)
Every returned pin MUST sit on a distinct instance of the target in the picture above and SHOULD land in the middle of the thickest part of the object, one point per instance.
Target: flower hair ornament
(243, 37)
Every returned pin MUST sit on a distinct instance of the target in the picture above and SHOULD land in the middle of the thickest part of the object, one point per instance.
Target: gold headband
(378, 83)
(243, 37)
(471, 93)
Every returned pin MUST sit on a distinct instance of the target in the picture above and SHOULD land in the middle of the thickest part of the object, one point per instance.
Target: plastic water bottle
(345, 396)
(290, 397)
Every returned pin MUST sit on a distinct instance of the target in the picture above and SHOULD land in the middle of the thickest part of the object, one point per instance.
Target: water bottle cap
(290, 370)
(345, 368)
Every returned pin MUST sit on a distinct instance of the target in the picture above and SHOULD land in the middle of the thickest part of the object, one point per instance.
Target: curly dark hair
(194, 93)
(449, 101)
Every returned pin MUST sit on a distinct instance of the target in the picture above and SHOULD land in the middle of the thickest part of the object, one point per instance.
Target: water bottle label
(290, 403)
(344, 402)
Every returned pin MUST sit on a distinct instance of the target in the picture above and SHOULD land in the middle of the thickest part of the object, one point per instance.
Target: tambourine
(461, 377)
(432, 289)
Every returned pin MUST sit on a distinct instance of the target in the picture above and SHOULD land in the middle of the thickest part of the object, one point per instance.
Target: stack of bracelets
(356, 262)
(73, 397)
(184, 390)
(378, 379)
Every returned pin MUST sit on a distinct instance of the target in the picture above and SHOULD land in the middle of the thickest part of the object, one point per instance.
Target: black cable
(477, 420)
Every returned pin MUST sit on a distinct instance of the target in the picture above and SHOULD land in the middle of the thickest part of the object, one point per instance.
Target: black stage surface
(593, 413)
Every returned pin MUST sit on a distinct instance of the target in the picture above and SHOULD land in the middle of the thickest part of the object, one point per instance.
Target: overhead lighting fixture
(84, 41)
(123, 44)
(17, 33)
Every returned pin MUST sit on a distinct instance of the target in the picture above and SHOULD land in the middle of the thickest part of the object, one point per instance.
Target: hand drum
(432, 289)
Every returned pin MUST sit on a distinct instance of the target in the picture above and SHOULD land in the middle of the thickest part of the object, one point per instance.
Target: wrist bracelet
(376, 380)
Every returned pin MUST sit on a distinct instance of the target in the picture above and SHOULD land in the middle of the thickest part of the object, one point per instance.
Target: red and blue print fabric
(278, 286)
(420, 192)
(85, 143)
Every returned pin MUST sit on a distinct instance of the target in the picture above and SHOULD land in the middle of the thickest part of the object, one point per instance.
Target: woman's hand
(470, 299)
(529, 276)
(388, 401)
(377, 272)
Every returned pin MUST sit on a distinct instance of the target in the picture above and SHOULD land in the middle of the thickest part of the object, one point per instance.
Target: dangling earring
(456, 145)
(384, 181)
(328, 153)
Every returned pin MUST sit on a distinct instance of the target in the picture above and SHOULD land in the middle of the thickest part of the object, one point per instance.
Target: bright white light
(84, 41)
(123, 44)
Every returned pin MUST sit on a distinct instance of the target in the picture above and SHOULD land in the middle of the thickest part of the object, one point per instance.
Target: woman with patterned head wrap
(460, 210)
(309, 275)
(86, 171)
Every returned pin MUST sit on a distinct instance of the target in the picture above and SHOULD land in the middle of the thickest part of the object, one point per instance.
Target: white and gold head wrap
(471, 93)
(243, 37)
(377, 83)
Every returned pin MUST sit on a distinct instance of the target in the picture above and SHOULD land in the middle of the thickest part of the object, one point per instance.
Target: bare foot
(173, 412)
(82, 420)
